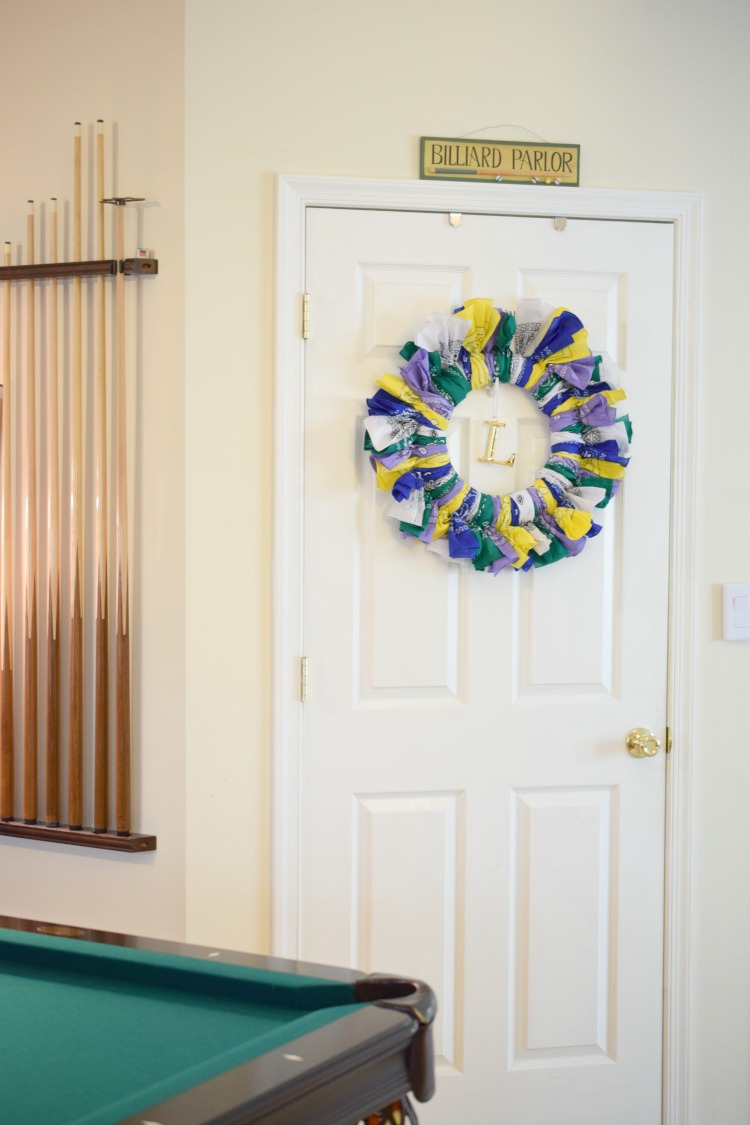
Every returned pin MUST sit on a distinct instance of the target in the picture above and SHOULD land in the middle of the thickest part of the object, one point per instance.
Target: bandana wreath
(543, 350)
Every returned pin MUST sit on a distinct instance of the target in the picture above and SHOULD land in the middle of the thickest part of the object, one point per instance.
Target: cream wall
(80, 60)
(656, 92)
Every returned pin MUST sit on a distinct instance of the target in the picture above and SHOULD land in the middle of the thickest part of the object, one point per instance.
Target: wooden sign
(512, 162)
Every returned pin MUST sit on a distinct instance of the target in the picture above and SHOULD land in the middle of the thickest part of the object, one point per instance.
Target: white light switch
(740, 612)
(736, 611)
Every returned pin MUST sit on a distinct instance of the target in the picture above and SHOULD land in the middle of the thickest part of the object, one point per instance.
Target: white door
(470, 812)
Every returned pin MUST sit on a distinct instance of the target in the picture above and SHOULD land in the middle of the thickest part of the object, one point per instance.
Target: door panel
(563, 849)
(428, 828)
(470, 812)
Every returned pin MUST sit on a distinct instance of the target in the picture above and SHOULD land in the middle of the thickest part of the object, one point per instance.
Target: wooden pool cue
(52, 788)
(122, 635)
(75, 694)
(7, 735)
(31, 668)
(101, 717)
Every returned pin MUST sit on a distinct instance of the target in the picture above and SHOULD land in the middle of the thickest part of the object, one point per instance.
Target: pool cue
(7, 732)
(75, 693)
(31, 667)
(101, 717)
(52, 788)
(122, 636)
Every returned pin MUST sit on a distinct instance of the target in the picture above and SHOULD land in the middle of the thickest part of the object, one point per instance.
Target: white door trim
(684, 212)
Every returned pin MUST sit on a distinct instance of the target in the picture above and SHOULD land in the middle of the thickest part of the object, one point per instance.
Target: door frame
(684, 211)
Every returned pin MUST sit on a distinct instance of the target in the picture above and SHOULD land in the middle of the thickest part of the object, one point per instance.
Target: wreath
(545, 352)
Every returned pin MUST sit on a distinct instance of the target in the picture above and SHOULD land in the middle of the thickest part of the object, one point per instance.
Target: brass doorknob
(641, 743)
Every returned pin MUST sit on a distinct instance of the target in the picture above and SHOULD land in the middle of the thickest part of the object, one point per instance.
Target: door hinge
(305, 316)
(668, 741)
(303, 679)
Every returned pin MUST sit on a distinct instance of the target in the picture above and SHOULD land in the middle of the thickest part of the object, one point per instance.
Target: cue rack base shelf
(81, 837)
(102, 267)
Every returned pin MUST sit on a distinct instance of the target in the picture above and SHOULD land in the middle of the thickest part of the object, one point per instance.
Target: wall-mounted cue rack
(72, 731)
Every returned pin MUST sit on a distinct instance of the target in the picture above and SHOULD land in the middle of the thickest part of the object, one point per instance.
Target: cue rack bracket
(104, 267)
(82, 837)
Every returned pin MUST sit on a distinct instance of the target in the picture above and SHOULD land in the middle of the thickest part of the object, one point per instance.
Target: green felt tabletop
(90, 1034)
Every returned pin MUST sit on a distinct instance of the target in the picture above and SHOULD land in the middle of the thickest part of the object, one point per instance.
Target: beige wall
(655, 92)
(80, 60)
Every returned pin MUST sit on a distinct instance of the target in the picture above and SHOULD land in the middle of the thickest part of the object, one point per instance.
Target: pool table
(106, 1029)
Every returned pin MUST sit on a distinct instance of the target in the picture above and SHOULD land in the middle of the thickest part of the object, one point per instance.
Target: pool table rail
(335, 1075)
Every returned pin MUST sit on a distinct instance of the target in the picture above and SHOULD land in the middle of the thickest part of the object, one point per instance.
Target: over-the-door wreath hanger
(545, 352)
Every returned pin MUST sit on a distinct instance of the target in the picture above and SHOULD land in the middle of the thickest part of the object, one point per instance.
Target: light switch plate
(736, 598)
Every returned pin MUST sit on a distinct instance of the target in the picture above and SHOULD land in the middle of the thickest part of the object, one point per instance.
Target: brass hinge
(668, 748)
(305, 316)
(303, 679)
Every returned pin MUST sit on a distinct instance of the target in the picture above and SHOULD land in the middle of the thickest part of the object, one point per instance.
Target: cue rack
(65, 635)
